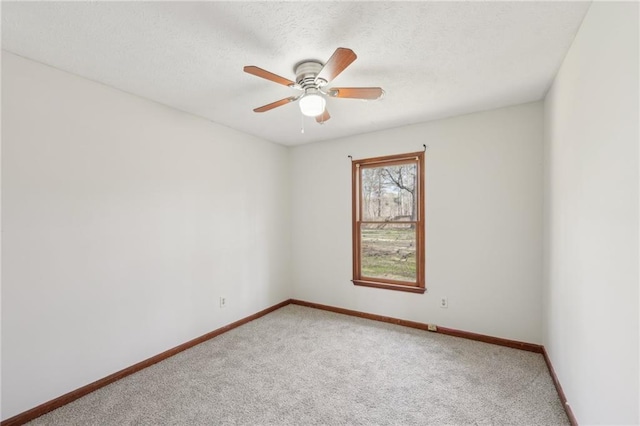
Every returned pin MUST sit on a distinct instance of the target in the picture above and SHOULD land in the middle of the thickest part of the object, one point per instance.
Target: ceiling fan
(312, 78)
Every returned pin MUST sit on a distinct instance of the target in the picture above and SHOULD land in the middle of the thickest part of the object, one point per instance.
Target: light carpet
(303, 366)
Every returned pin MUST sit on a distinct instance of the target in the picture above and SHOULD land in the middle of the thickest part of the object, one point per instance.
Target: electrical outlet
(432, 327)
(223, 302)
(444, 303)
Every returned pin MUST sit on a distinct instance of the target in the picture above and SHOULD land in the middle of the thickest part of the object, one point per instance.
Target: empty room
(320, 213)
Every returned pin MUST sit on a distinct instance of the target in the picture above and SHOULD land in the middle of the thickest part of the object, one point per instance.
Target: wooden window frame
(356, 202)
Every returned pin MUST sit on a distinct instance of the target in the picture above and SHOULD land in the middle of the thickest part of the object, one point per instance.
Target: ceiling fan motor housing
(306, 73)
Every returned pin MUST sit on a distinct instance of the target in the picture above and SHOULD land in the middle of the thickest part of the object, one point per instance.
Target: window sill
(409, 289)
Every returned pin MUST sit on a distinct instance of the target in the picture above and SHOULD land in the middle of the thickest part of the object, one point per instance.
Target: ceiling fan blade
(356, 92)
(276, 104)
(259, 72)
(323, 117)
(337, 63)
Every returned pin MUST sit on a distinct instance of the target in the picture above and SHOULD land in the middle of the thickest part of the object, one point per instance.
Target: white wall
(591, 218)
(483, 222)
(124, 221)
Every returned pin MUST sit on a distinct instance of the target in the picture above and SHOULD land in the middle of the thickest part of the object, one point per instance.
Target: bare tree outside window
(389, 192)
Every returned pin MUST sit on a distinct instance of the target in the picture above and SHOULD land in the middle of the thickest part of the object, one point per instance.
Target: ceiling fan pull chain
(301, 123)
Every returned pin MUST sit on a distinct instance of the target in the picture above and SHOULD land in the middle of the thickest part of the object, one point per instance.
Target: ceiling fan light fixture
(312, 104)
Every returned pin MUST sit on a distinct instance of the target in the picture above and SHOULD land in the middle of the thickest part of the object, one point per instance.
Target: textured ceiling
(434, 59)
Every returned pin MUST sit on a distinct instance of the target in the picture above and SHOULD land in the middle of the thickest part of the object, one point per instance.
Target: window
(388, 222)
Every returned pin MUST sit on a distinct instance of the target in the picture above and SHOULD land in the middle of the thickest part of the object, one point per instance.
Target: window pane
(389, 251)
(389, 193)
